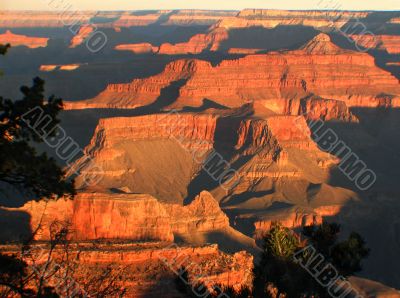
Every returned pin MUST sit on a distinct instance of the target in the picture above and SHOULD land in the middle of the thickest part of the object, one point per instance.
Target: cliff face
(83, 33)
(319, 70)
(133, 217)
(139, 48)
(150, 269)
(272, 18)
(197, 43)
(389, 43)
(141, 92)
(148, 154)
(22, 40)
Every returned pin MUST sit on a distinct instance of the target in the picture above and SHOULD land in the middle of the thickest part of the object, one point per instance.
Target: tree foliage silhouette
(21, 166)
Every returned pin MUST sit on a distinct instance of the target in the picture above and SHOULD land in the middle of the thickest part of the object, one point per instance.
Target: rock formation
(133, 217)
(273, 18)
(197, 43)
(53, 67)
(319, 68)
(23, 40)
(83, 33)
(151, 268)
(139, 48)
(140, 92)
(389, 43)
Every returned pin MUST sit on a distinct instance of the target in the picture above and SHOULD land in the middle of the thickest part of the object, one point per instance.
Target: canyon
(318, 68)
(196, 132)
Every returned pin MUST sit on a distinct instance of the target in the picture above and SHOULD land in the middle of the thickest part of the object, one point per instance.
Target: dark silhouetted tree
(21, 166)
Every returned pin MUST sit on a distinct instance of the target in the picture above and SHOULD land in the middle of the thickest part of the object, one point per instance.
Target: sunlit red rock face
(149, 154)
(163, 154)
(140, 92)
(132, 19)
(197, 43)
(389, 43)
(150, 268)
(140, 48)
(272, 18)
(83, 33)
(198, 17)
(22, 40)
(132, 217)
(319, 68)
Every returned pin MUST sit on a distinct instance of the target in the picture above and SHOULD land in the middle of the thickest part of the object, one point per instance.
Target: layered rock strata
(319, 70)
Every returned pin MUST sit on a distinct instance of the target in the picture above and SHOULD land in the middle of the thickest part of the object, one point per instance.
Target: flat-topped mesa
(186, 17)
(277, 79)
(266, 13)
(23, 40)
(197, 44)
(319, 68)
(155, 154)
(273, 18)
(188, 129)
(134, 19)
(389, 43)
(139, 48)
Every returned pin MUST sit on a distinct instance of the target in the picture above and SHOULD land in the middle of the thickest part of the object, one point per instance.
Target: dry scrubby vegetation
(279, 275)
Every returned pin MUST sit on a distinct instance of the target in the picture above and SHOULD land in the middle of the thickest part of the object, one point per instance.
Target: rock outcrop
(84, 32)
(139, 48)
(151, 269)
(272, 18)
(23, 40)
(94, 216)
(320, 69)
(389, 43)
(197, 44)
(64, 67)
(141, 92)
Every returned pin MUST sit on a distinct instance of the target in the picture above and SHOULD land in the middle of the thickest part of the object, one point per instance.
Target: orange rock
(243, 51)
(389, 43)
(139, 48)
(23, 40)
(134, 217)
(197, 43)
(281, 81)
(83, 33)
(151, 269)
